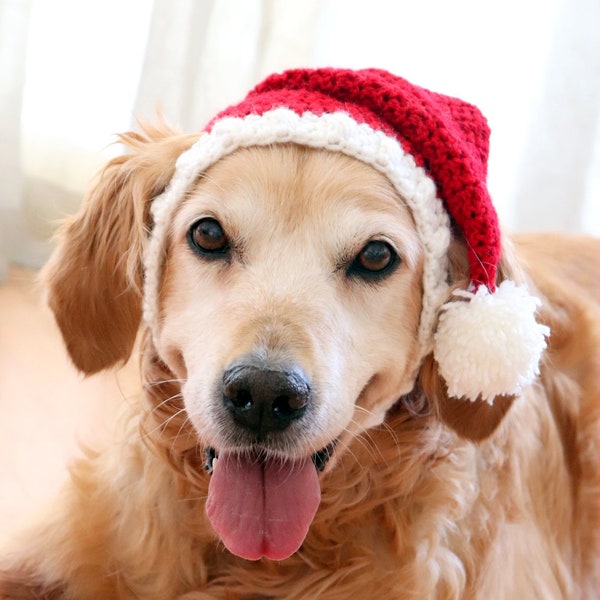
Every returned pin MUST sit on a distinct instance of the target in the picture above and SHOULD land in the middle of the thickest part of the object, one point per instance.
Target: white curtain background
(75, 72)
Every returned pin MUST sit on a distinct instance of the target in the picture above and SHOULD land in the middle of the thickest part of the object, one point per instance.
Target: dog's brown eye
(207, 237)
(375, 256)
(376, 260)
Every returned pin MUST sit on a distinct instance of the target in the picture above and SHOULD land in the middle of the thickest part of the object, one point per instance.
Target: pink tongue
(262, 507)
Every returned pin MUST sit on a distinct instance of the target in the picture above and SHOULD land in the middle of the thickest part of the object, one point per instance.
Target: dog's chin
(261, 503)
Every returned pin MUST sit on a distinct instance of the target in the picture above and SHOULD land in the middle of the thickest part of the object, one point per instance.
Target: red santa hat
(434, 150)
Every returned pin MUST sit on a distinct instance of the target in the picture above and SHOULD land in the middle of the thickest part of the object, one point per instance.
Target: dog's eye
(376, 260)
(206, 236)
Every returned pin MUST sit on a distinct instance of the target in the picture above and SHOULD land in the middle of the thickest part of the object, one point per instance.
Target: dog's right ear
(95, 276)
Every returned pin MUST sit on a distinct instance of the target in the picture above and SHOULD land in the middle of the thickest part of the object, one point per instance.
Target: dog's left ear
(473, 419)
(94, 278)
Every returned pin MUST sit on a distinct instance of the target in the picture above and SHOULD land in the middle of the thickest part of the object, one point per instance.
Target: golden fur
(425, 497)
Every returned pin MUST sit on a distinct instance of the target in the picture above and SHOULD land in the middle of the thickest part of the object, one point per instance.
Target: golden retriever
(409, 493)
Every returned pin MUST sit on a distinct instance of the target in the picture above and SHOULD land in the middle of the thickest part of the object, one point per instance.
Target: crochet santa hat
(434, 151)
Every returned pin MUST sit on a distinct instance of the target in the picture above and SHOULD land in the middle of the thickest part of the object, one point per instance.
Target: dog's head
(287, 290)
(289, 302)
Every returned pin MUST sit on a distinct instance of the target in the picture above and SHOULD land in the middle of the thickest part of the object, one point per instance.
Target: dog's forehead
(288, 188)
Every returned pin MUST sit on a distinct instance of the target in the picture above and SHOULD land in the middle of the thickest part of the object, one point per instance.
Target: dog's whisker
(191, 499)
(166, 401)
(365, 439)
(173, 416)
(181, 427)
(348, 448)
(384, 424)
(161, 426)
(164, 381)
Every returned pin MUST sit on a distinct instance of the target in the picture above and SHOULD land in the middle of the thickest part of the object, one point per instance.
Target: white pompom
(491, 344)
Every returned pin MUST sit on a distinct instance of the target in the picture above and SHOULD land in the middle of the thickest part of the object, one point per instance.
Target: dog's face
(291, 300)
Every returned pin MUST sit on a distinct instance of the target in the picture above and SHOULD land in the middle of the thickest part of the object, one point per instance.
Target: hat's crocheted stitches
(449, 138)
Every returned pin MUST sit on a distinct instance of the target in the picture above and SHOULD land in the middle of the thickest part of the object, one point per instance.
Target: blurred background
(73, 73)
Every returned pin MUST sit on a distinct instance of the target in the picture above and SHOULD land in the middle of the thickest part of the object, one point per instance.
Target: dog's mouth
(262, 505)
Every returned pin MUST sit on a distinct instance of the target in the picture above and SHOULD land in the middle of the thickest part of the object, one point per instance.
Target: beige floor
(45, 405)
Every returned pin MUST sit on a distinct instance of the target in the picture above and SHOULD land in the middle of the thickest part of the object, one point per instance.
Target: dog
(293, 440)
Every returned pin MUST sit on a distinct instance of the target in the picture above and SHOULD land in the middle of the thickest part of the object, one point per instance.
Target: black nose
(264, 400)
